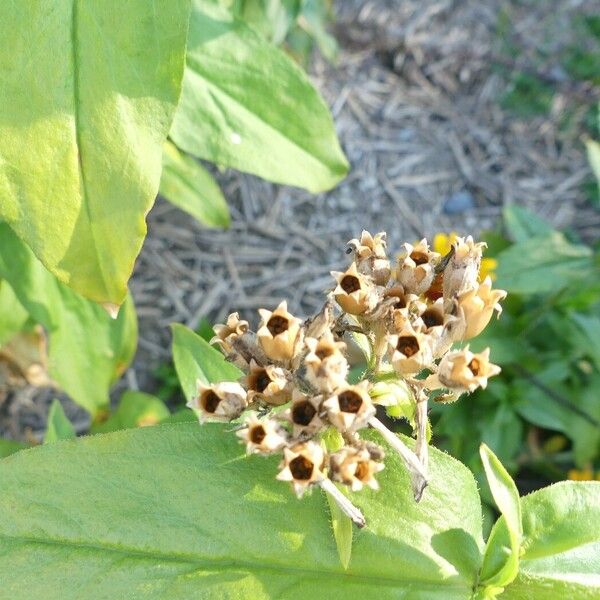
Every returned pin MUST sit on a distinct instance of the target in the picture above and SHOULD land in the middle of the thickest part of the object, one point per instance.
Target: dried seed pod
(226, 333)
(465, 371)
(416, 267)
(219, 401)
(443, 328)
(462, 271)
(355, 293)
(350, 408)
(303, 414)
(279, 333)
(411, 351)
(262, 436)
(476, 306)
(370, 256)
(303, 466)
(326, 366)
(270, 384)
(355, 468)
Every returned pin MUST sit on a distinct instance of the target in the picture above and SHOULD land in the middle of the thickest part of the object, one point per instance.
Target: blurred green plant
(542, 414)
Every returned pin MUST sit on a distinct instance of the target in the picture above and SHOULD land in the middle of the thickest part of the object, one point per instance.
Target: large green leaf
(561, 544)
(247, 105)
(195, 359)
(88, 349)
(501, 559)
(188, 185)
(8, 447)
(88, 94)
(522, 224)
(177, 511)
(543, 264)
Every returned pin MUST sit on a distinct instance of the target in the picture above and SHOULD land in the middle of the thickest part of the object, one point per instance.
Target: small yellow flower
(586, 474)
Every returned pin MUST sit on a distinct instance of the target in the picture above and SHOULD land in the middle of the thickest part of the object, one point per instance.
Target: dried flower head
(370, 256)
(354, 468)
(416, 267)
(465, 371)
(303, 465)
(279, 333)
(270, 384)
(411, 350)
(476, 306)
(303, 414)
(226, 333)
(350, 408)
(219, 401)
(326, 365)
(462, 271)
(262, 436)
(354, 292)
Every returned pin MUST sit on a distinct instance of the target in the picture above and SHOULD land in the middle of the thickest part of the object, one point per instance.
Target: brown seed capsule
(303, 414)
(350, 408)
(411, 351)
(303, 466)
(355, 468)
(279, 333)
(370, 256)
(462, 271)
(262, 436)
(442, 328)
(416, 268)
(270, 384)
(476, 306)
(326, 366)
(465, 371)
(225, 333)
(219, 401)
(355, 293)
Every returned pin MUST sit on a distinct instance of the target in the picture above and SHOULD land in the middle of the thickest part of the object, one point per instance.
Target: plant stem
(415, 468)
(342, 501)
(422, 448)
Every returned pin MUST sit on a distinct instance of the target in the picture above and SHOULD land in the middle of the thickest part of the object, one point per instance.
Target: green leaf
(543, 264)
(88, 94)
(561, 544)
(13, 317)
(8, 447)
(501, 560)
(177, 511)
(135, 409)
(195, 359)
(246, 104)
(593, 154)
(189, 186)
(59, 427)
(522, 224)
(589, 328)
(88, 349)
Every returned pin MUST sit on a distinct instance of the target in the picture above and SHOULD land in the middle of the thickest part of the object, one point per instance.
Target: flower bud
(303, 466)
(270, 384)
(354, 292)
(326, 366)
(370, 256)
(465, 371)
(411, 351)
(219, 401)
(462, 271)
(303, 414)
(416, 268)
(354, 468)
(262, 436)
(350, 408)
(279, 333)
(476, 306)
